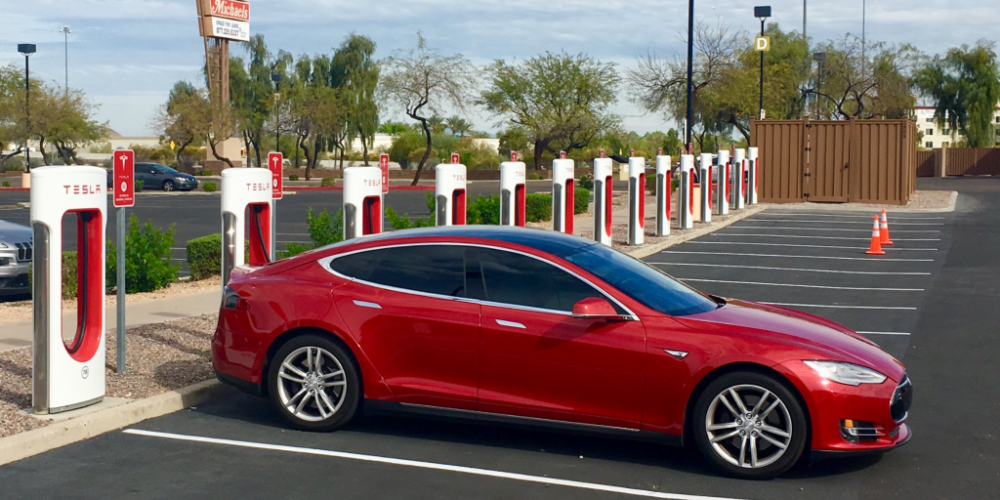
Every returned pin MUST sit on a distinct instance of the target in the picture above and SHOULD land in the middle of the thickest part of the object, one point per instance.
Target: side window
(437, 269)
(517, 279)
(359, 265)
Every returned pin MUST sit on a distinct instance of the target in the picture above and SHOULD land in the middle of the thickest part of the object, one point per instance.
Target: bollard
(663, 189)
(685, 209)
(603, 209)
(722, 192)
(636, 200)
(705, 177)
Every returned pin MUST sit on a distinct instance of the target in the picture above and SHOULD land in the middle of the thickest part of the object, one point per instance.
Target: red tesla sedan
(537, 327)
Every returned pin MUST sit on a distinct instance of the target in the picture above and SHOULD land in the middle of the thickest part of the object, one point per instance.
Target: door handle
(370, 305)
(512, 324)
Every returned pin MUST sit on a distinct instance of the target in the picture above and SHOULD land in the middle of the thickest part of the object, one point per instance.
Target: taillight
(232, 300)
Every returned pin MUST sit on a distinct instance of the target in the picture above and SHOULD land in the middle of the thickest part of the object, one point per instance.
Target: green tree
(182, 119)
(561, 100)
(251, 92)
(421, 80)
(873, 83)
(458, 125)
(355, 71)
(965, 87)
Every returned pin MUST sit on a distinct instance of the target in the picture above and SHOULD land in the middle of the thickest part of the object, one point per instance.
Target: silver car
(15, 258)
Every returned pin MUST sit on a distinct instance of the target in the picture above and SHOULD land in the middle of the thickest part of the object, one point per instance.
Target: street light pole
(27, 49)
(277, 78)
(66, 31)
(762, 13)
(690, 78)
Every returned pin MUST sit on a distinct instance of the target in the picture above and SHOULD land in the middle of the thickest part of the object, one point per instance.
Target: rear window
(436, 269)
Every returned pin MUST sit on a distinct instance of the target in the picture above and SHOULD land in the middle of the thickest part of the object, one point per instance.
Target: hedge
(538, 207)
(581, 200)
(204, 256)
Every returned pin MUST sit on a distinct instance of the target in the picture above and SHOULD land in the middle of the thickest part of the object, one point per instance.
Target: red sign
(631, 152)
(513, 156)
(455, 160)
(562, 155)
(602, 153)
(383, 163)
(228, 9)
(275, 163)
(123, 177)
(659, 151)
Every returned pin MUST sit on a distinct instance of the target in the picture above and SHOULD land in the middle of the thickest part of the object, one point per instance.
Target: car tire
(168, 186)
(331, 385)
(731, 434)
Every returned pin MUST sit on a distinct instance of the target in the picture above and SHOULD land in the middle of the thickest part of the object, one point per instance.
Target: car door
(408, 308)
(537, 360)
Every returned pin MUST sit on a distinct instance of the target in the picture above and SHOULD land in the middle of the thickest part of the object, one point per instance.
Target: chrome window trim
(520, 417)
(325, 262)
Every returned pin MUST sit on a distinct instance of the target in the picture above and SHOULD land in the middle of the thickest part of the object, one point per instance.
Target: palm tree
(436, 123)
(458, 125)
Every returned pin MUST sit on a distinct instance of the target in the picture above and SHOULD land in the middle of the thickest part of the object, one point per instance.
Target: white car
(15, 258)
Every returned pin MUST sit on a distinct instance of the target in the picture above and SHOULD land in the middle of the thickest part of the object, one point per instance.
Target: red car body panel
(453, 353)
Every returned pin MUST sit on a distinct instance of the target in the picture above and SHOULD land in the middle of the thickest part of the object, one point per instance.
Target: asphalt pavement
(941, 318)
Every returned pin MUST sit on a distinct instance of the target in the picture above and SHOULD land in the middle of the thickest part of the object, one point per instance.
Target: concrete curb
(646, 251)
(831, 207)
(58, 434)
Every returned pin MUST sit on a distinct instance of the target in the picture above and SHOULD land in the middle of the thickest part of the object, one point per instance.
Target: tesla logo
(459, 177)
(373, 182)
(82, 188)
(85, 372)
(258, 186)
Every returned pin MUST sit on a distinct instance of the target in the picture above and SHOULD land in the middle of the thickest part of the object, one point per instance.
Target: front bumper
(13, 274)
(831, 403)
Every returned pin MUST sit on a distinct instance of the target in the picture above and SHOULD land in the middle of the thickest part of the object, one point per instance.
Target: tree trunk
(212, 144)
(181, 152)
(246, 144)
(539, 149)
(256, 150)
(41, 149)
(364, 147)
(305, 150)
(427, 153)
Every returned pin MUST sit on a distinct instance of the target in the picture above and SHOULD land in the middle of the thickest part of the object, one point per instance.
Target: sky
(127, 54)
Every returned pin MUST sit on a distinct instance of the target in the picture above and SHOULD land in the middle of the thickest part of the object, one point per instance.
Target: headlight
(846, 373)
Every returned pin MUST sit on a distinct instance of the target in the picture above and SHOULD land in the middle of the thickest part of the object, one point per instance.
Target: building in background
(934, 136)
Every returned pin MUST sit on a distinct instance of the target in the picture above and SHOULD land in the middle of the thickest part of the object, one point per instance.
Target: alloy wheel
(312, 384)
(168, 185)
(748, 426)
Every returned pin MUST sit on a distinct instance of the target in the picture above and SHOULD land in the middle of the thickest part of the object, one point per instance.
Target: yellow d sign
(762, 44)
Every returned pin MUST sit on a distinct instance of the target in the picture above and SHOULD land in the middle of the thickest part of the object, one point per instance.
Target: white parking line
(807, 236)
(741, 226)
(884, 308)
(804, 286)
(838, 222)
(869, 259)
(883, 333)
(805, 246)
(788, 269)
(423, 465)
(869, 217)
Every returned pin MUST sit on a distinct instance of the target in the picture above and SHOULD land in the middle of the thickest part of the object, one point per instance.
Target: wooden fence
(973, 161)
(925, 163)
(862, 161)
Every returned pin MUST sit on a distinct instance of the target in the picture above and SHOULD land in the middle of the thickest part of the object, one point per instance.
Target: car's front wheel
(168, 186)
(750, 425)
(314, 383)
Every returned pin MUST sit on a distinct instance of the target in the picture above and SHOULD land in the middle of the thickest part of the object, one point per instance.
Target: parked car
(542, 328)
(15, 259)
(156, 176)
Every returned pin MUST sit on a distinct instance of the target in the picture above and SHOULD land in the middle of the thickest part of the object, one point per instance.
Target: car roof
(552, 242)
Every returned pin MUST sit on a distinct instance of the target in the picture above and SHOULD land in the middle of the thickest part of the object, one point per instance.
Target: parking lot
(931, 301)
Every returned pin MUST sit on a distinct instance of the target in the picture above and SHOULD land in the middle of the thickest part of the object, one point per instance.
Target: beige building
(936, 136)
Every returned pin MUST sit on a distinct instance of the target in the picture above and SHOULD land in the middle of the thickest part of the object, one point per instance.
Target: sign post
(123, 183)
(383, 163)
(275, 163)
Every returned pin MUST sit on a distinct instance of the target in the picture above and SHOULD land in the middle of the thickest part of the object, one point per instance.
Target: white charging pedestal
(663, 189)
(705, 178)
(362, 201)
(512, 192)
(246, 218)
(636, 201)
(449, 194)
(562, 195)
(68, 374)
(603, 193)
(739, 172)
(685, 209)
(722, 193)
(754, 169)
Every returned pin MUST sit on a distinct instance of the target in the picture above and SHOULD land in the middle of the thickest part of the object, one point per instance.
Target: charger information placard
(275, 162)
(123, 178)
(383, 163)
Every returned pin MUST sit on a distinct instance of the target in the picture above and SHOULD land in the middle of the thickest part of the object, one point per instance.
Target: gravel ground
(921, 200)
(21, 310)
(161, 357)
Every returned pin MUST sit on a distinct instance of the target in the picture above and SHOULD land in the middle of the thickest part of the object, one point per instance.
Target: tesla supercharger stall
(68, 374)
(725, 172)
(246, 218)
(705, 178)
(663, 188)
(739, 171)
(362, 201)
(449, 194)
(753, 167)
(603, 207)
(562, 195)
(512, 191)
(636, 201)
(685, 202)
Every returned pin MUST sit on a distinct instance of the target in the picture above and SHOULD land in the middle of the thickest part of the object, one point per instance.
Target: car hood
(826, 338)
(14, 233)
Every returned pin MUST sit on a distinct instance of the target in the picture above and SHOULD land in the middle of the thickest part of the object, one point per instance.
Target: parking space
(816, 262)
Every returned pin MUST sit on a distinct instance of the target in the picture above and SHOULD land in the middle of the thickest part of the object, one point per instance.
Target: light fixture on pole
(66, 31)
(762, 13)
(27, 49)
(690, 77)
(277, 78)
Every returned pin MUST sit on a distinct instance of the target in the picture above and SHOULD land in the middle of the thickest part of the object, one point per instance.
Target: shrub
(323, 231)
(483, 211)
(293, 177)
(535, 176)
(586, 182)
(69, 275)
(327, 182)
(209, 187)
(6, 184)
(538, 207)
(139, 185)
(581, 200)
(400, 222)
(147, 257)
(204, 256)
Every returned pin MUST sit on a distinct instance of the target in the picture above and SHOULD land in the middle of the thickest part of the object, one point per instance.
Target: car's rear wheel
(314, 383)
(750, 425)
(168, 185)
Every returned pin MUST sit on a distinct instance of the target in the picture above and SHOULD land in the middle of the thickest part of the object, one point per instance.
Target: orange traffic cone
(876, 248)
(884, 229)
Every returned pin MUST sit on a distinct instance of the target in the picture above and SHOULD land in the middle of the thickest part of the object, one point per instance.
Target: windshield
(650, 286)
(165, 170)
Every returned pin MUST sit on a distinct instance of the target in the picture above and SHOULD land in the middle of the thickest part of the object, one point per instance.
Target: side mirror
(595, 308)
